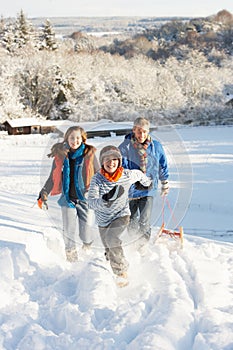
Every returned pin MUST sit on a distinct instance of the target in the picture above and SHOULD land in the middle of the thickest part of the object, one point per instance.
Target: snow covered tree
(83, 42)
(182, 85)
(16, 34)
(10, 105)
(8, 37)
(23, 30)
(224, 17)
(47, 37)
(43, 87)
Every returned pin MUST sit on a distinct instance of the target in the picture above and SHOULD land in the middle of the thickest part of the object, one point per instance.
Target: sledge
(176, 234)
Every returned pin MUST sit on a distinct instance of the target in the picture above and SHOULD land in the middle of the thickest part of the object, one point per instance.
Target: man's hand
(164, 188)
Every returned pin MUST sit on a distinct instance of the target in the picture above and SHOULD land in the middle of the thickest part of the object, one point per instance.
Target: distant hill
(67, 25)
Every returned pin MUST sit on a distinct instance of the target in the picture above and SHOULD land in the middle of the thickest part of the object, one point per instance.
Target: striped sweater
(120, 207)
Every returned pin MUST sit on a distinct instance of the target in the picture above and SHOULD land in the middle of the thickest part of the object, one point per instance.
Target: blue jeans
(141, 209)
(69, 217)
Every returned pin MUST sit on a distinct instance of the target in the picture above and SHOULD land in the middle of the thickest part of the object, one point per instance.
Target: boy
(108, 196)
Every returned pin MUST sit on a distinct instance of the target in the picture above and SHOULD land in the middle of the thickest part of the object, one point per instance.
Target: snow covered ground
(176, 299)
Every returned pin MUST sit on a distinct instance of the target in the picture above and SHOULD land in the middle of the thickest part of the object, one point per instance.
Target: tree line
(167, 74)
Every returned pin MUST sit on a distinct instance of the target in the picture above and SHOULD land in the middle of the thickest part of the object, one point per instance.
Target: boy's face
(110, 164)
(140, 134)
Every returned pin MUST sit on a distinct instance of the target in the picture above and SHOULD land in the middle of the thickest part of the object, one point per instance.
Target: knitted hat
(110, 152)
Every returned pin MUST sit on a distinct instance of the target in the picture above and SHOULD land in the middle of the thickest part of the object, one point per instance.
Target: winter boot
(87, 247)
(122, 279)
(142, 245)
(71, 255)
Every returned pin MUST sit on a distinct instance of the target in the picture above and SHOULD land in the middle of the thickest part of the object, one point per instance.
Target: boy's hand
(113, 194)
(140, 187)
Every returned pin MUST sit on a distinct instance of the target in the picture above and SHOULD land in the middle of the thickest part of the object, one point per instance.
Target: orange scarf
(112, 177)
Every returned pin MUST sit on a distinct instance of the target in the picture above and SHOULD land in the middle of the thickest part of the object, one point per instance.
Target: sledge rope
(172, 233)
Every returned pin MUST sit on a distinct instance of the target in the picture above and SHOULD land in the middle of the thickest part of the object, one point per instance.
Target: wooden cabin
(25, 126)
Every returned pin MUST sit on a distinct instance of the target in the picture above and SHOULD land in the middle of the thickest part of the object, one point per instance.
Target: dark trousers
(110, 237)
(141, 209)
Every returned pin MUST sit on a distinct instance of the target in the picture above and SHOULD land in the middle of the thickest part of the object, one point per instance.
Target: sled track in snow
(208, 232)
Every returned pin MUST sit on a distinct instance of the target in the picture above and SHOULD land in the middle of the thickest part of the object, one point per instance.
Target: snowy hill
(176, 299)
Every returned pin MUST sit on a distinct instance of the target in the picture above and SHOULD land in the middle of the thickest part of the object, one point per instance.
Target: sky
(158, 8)
(177, 299)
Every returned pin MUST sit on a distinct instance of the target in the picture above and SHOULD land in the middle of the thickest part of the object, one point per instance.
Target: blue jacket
(157, 168)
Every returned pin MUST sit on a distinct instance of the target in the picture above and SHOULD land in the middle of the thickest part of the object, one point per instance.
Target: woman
(73, 166)
(108, 195)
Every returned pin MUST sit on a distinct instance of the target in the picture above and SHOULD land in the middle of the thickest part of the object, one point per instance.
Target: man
(139, 151)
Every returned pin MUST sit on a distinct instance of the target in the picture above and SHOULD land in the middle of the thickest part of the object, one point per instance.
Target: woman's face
(110, 165)
(75, 139)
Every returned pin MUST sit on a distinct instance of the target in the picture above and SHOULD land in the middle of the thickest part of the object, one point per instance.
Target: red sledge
(177, 235)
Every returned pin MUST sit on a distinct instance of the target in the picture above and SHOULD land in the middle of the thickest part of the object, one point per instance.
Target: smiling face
(140, 134)
(110, 164)
(75, 139)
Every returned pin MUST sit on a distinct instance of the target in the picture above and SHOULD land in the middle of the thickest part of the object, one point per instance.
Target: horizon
(117, 8)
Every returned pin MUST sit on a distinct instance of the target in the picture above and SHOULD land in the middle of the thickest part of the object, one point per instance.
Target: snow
(176, 299)
(102, 124)
(18, 122)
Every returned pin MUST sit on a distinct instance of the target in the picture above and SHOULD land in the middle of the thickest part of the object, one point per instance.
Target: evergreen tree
(2, 30)
(16, 33)
(21, 30)
(47, 37)
(8, 37)
(24, 32)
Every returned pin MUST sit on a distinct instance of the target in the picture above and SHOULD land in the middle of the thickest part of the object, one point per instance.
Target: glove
(138, 186)
(42, 200)
(113, 194)
(164, 188)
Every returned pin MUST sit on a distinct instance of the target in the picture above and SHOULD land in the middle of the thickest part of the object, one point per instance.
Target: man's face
(140, 134)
